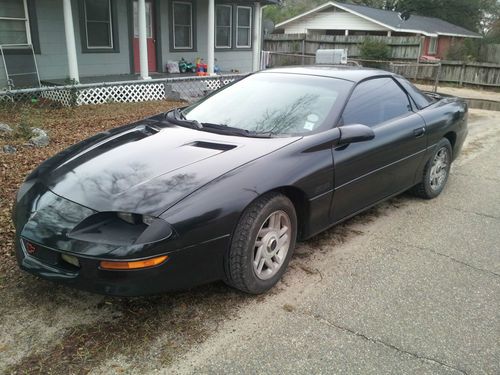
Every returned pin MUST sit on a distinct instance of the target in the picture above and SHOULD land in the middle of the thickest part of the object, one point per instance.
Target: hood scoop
(212, 145)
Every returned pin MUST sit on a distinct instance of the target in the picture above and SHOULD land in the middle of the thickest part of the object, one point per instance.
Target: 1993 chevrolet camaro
(223, 189)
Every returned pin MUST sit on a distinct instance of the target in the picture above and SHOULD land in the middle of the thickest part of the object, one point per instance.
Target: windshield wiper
(229, 130)
(176, 117)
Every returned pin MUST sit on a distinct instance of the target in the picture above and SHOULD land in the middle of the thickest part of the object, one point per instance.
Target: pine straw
(65, 127)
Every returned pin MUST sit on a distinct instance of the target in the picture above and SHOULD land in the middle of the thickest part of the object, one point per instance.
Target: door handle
(418, 132)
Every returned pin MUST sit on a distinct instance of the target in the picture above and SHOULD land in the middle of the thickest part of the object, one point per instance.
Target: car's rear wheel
(262, 244)
(436, 172)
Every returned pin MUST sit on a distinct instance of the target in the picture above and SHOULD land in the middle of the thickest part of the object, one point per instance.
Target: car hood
(145, 168)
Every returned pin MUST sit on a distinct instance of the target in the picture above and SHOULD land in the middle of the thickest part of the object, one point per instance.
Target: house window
(14, 24)
(223, 25)
(433, 42)
(182, 25)
(98, 24)
(243, 27)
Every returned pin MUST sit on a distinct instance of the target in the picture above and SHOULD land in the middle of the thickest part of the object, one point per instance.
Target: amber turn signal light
(136, 264)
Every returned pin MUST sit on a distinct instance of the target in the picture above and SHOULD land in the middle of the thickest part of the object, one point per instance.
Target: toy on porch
(185, 66)
(202, 67)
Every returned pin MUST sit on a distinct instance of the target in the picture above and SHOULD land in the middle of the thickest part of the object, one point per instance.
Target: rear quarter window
(420, 99)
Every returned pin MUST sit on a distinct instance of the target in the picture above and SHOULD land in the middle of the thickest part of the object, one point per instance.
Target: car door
(368, 172)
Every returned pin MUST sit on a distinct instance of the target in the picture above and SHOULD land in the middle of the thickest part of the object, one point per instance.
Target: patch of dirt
(472, 147)
(75, 332)
(483, 134)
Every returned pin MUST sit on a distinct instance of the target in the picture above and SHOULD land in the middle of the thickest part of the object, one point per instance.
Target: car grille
(46, 255)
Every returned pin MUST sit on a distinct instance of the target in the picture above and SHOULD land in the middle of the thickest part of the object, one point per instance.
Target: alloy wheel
(439, 169)
(272, 245)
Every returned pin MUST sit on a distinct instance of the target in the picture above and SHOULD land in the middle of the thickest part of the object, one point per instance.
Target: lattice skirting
(108, 94)
(189, 90)
(122, 94)
(65, 97)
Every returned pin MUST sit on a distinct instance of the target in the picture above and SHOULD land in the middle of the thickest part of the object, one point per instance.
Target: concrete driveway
(410, 287)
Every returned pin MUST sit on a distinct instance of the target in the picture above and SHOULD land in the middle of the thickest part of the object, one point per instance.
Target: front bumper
(183, 269)
(45, 220)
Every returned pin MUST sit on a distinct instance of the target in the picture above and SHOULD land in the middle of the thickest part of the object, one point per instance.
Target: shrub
(372, 49)
(467, 50)
(23, 129)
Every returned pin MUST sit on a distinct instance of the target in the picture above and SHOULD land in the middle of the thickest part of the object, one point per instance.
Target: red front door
(150, 35)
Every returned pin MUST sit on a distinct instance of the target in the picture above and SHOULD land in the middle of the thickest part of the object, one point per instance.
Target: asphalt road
(412, 286)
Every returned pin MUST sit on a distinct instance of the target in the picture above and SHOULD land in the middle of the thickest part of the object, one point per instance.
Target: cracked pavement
(415, 288)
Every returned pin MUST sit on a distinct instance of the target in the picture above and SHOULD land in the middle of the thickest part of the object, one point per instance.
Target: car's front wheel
(436, 172)
(262, 244)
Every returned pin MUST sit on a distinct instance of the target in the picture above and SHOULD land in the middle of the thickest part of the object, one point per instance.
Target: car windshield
(274, 104)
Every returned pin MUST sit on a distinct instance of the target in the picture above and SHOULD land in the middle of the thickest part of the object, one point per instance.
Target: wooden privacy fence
(402, 47)
(481, 74)
(490, 53)
(300, 49)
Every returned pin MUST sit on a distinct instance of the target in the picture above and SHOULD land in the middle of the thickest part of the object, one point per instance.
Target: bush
(372, 49)
(23, 129)
(466, 50)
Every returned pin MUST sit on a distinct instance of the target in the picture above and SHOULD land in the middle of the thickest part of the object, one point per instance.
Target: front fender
(213, 211)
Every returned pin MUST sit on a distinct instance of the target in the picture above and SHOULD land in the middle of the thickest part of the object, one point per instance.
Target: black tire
(426, 189)
(239, 262)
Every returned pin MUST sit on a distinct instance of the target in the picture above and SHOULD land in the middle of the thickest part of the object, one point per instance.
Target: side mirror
(355, 133)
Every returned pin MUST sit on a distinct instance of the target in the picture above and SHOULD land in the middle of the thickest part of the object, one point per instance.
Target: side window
(375, 101)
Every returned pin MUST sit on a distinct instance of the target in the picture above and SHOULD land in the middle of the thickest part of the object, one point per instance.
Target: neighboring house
(334, 18)
(82, 38)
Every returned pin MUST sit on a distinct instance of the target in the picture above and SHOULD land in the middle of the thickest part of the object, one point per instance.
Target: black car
(223, 189)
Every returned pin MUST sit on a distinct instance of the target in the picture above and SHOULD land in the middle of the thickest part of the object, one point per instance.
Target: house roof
(429, 26)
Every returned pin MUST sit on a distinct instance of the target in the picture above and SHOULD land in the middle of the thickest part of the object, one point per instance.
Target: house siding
(53, 60)
(444, 43)
(332, 19)
(232, 59)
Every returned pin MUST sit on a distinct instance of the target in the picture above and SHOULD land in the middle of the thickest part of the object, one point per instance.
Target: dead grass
(166, 325)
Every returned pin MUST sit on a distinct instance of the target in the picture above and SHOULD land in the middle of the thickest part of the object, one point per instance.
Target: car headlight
(121, 228)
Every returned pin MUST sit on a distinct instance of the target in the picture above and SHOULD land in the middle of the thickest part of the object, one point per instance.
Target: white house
(335, 18)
